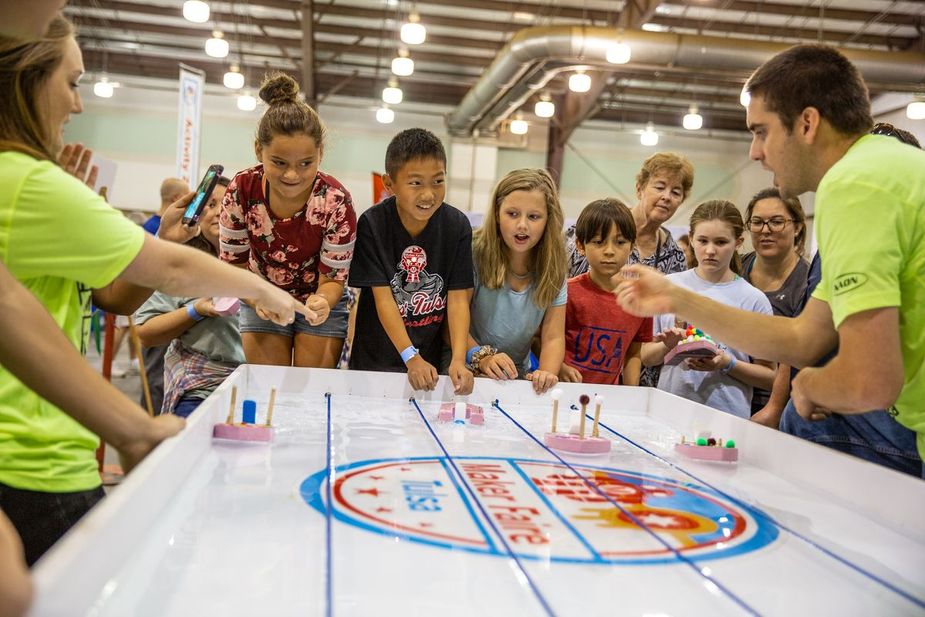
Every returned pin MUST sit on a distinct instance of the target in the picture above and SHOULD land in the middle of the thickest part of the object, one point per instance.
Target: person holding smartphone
(295, 226)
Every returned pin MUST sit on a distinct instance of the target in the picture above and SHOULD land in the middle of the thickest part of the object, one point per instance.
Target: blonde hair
(671, 163)
(548, 257)
(24, 69)
(725, 211)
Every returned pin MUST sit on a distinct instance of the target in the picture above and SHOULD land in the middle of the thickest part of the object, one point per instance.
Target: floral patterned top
(291, 253)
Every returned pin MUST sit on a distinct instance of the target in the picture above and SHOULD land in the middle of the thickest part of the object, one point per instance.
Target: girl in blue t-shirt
(519, 256)
(726, 380)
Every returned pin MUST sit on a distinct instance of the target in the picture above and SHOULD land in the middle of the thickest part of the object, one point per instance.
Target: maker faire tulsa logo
(545, 511)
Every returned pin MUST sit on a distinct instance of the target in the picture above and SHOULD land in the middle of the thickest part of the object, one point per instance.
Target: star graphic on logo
(383, 510)
(368, 491)
(657, 520)
(425, 525)
(376, 477)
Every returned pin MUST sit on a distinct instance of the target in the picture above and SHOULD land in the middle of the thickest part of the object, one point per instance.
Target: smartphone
(201, 198)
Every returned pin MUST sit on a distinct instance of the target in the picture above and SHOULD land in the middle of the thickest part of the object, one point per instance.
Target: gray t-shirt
(508, 319)
(715, 388)
(215, 337)
(788, 300)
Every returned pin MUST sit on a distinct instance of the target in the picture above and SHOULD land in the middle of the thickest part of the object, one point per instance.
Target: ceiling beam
(638, 115)
(436, 92)
(787, 32)
(308, 53)
(289, 43)
(576, 108)
(293, 25)
(812, 12)
(542, 11)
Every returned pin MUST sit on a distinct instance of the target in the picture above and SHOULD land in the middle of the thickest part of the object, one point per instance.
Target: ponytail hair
(725, 211)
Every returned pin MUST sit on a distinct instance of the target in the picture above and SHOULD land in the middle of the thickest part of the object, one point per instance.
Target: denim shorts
(335, 326)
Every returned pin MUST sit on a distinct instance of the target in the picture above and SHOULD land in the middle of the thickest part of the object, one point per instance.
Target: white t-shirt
(715, 389)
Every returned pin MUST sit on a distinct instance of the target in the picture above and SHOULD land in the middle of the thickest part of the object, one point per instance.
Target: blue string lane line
(524, 578)
(760, 513)
(711, 582)
(328, 511)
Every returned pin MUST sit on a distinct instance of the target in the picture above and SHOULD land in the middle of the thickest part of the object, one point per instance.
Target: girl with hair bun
(295, 226)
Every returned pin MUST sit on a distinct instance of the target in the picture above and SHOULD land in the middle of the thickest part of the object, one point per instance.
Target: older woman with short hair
(663, 183)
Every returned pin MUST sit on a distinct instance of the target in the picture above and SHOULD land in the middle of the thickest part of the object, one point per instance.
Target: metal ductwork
(535, 55)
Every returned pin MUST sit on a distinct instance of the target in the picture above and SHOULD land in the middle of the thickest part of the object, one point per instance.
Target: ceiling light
(217, 46)
(196, 11)
(519, 126)
(104, 88)
(916, 110)
(692, 120)
(579, 82)
(392, 94)
(744, 97)
(522, 16)
(246, 102)
(544, 108)
(650, 27)
(663, 10)
(233, 79)
(413, 31)
(402, 65)
(384, 115)
(619, 53)
(649, 137)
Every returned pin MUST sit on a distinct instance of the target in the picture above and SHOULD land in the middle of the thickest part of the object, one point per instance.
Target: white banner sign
(189, 125)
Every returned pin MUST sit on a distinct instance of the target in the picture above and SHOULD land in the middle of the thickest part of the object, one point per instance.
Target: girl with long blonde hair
(519, 256)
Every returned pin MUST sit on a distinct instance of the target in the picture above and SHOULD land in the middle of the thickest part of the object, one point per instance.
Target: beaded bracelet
(483, 352)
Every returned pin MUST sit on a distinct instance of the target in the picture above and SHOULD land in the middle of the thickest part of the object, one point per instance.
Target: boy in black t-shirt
(413, 265)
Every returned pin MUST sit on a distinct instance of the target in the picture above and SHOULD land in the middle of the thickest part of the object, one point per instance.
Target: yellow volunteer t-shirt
(870, 223)
(60, 240)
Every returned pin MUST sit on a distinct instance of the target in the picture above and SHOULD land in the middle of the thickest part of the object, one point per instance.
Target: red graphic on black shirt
(413, 261)
(416, 291)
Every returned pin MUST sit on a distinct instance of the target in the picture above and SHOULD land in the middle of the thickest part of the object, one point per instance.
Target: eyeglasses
(776, 224)
(884, 128)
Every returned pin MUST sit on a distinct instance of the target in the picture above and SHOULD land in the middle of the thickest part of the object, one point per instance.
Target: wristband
(191, 311)
(471, 353)
(408, 352)
(731, 365)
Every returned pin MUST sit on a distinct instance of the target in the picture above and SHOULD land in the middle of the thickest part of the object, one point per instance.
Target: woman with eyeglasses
(776, 267)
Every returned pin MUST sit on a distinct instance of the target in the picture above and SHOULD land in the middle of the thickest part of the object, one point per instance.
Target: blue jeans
(873, 436)
(186, 406)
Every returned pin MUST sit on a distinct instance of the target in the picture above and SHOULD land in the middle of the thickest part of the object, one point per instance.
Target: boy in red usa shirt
(602, 341)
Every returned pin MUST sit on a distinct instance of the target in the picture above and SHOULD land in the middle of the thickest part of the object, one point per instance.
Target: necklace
(522, 277)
